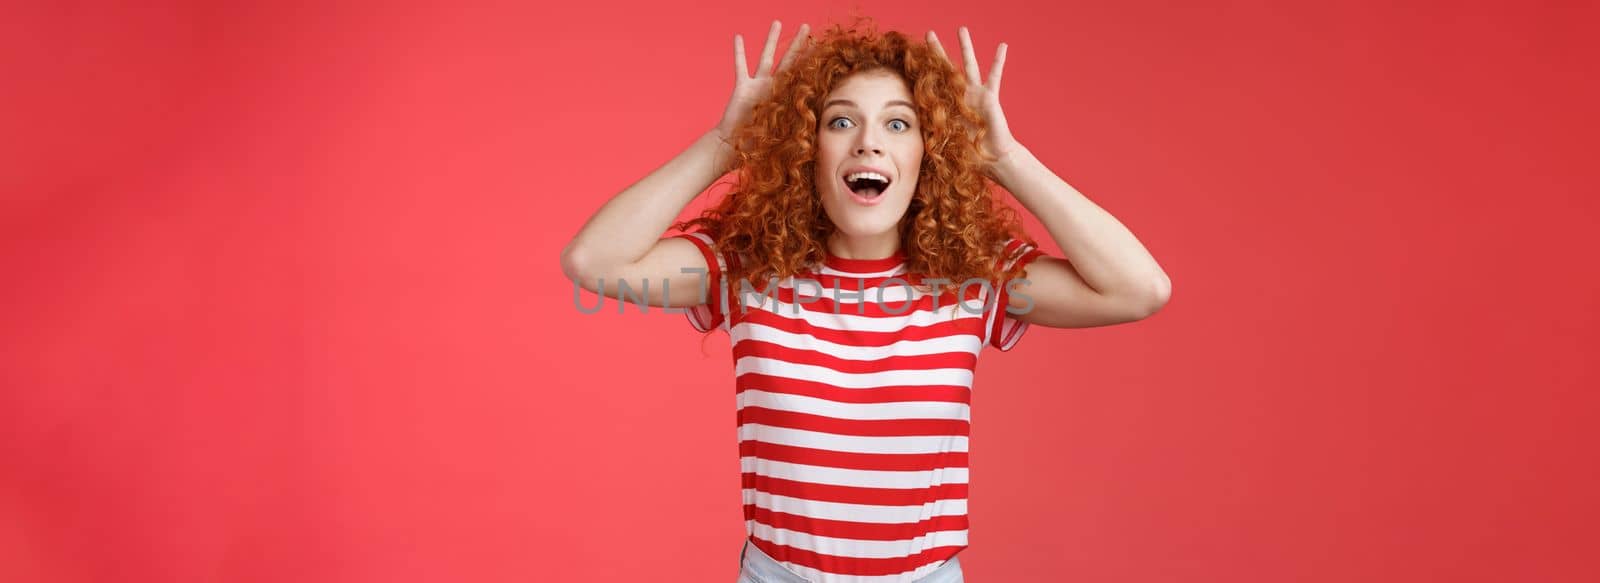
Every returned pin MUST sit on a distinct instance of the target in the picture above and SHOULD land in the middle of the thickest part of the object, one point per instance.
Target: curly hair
(773, 217)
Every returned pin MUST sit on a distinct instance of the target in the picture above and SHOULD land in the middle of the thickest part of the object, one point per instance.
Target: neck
(879, 246)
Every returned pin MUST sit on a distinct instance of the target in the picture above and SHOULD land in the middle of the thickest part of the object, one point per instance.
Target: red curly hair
(773, 217)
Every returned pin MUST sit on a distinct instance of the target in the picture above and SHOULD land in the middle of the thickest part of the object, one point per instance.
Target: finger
(933, 41)
(996, 70)
(973, 74)
(765, 68)
(741, 67)
(794, 46)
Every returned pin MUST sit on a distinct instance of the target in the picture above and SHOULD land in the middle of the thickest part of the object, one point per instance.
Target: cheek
(911, 162)
(826, 161)
(824, 153)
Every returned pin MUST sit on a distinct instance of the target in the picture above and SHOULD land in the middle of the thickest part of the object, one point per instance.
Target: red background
(283, 299)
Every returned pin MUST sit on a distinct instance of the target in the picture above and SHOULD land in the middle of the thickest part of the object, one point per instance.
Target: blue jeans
(756, 567)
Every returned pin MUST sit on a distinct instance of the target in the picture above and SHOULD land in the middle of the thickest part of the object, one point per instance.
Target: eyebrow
(853, 104)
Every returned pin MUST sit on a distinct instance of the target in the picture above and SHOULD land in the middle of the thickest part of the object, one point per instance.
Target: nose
(868, 142)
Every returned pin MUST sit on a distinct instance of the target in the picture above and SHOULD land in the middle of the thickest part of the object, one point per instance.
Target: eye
(903, 123)
(835, 123)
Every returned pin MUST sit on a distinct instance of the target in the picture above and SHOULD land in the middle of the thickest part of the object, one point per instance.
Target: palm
(746, 94)
(984, 97)
(749, 90)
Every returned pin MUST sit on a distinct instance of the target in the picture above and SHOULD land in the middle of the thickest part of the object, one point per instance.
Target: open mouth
(867, 185)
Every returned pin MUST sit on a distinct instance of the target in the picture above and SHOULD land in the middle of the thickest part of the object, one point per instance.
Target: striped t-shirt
(853, 411)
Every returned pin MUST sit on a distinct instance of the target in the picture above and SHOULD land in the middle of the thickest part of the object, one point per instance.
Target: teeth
(863, 175)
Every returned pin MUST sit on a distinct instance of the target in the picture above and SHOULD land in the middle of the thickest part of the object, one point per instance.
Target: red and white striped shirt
(853, 412)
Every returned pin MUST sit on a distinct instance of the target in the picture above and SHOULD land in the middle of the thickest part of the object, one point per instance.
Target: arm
(1108, 277)
(622, 241)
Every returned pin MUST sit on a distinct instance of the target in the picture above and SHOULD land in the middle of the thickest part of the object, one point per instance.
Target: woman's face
(869, 133)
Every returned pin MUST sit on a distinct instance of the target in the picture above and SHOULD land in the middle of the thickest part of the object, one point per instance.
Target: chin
(854, 220)
(866, 223)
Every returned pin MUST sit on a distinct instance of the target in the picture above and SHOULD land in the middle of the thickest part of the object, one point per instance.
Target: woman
(843, 265)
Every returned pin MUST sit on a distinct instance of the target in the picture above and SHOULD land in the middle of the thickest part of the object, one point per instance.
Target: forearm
(628, 225)
(1104, 252)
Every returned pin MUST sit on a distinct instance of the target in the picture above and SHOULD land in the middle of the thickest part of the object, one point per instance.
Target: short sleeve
(1003, 329)
(709, 315)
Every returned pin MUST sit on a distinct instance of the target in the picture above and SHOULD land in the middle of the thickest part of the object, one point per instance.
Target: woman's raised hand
(984, 97)
(747, 90)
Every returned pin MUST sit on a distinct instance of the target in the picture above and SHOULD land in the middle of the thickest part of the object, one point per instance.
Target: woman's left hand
(984, 97)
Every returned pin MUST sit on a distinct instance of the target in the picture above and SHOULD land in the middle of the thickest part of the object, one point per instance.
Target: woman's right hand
(747, 90)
